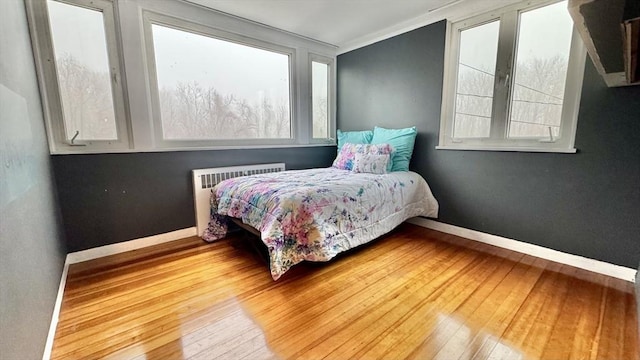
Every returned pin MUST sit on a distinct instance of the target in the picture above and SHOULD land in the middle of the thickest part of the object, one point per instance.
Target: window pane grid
(133, 97)
(527, 108)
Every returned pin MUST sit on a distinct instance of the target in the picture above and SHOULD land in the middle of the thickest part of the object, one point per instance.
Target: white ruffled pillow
(371, 163)
(346, 157)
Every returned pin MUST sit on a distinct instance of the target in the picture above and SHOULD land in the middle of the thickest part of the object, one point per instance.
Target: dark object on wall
(609, 29)
(631, 40)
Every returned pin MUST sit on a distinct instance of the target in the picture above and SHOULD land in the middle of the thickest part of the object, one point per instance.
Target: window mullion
(503, 78)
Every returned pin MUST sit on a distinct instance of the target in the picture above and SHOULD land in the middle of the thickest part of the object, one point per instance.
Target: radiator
(205, 179)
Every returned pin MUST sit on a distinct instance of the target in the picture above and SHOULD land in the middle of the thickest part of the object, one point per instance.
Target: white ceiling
(349, 24)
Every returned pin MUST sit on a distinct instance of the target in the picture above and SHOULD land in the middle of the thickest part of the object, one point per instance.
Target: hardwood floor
(415, 293)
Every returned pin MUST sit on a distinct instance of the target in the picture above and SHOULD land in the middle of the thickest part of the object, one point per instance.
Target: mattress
(316, 214)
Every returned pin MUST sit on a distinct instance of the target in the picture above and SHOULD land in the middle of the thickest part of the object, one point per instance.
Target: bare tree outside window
(216, 89)
(537, 89)
(542, 60)
(83, 73)
(474, 94)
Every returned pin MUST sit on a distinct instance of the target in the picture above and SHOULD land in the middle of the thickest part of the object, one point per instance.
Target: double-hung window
(81, 76)
(513, 80)
(212, 87)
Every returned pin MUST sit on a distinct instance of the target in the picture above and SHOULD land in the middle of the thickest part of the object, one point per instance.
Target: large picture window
(215, 87)
(513, 81)
(139, 75)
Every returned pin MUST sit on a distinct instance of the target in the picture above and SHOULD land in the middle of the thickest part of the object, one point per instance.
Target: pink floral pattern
(347, 154)
(218, 224)
(316, 214)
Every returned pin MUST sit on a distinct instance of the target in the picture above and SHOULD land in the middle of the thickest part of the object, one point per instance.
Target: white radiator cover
(205, 179)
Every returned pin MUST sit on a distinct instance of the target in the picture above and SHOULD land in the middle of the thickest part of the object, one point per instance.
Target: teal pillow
(402, 141)
(354, 137)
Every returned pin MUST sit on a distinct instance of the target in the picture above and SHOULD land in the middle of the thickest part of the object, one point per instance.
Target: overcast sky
(544, 33)
(228, 67)
(79, 32)
(252, 73)
(246, 72)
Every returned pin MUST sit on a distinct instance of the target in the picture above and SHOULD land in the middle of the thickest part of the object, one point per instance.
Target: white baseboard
(597, 266)
(112, 249)
(48, 346)
(94, 253)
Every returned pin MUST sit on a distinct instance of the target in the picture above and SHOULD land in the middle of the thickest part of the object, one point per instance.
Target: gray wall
(110, 198)
(585, 203)
(31, 244)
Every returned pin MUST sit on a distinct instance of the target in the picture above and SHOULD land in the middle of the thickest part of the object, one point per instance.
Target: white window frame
(151, 18)
(135, 113)
(498, 139)
(331, 101)
(48, 79)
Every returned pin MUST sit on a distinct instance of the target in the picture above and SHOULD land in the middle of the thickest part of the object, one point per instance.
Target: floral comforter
(316, 214)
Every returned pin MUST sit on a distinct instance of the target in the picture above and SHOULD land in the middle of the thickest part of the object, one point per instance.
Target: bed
(316, 214)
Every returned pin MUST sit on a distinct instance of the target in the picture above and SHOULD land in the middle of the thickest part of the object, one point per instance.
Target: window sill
(195, 148)
(507, 148)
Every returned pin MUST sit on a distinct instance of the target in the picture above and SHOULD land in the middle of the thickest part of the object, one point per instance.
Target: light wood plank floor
(415, 293)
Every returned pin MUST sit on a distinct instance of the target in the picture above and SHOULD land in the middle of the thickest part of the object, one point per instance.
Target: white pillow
(371, 163)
